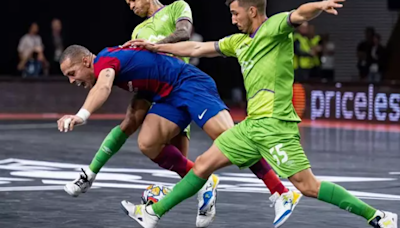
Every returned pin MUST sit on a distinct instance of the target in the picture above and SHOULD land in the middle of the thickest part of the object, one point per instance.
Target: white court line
(30, 188)
(8, 160)
(27, 126)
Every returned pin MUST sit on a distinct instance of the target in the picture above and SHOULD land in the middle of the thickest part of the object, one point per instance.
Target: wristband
(83, 114)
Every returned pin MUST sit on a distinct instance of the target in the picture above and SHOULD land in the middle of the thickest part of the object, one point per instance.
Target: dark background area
(97, 24)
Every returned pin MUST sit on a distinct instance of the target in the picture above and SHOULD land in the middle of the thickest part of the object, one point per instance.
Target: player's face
(79, 73)
(139, 7)
(240, 17)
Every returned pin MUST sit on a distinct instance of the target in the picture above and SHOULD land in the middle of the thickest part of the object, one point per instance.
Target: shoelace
(83, 179)
(273, 203)
(203, 213)
(285, 199)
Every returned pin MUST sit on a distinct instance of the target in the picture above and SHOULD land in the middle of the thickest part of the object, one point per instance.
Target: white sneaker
(384, 219)
(142, 214)
(284, 205)
(207, 198)
(80, 184)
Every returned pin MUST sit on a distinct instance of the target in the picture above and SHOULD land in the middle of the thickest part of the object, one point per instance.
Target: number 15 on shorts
(279, 155)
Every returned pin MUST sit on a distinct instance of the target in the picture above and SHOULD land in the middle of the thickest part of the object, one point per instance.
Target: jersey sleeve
(281, 24)
(105, 62)
(181, 11)
(227, 46)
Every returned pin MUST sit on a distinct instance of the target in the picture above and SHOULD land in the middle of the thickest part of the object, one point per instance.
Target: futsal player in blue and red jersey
(177, 93)
(180, 92)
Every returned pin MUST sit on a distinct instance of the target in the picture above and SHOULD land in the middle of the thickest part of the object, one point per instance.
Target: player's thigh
(237, 146)
(218, 124)
(162, 123)
(210, 161)
(207, 109)
(279, 144)
(135, 114)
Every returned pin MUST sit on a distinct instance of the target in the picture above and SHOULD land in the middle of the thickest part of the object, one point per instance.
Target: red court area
(237, 115)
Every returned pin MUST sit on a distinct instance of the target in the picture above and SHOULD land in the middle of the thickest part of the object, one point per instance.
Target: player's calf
(334, 194)
(128, 126)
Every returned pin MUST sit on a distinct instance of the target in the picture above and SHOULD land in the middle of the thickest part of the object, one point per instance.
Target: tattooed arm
(182, 33)
(95, 99)
(100, 91)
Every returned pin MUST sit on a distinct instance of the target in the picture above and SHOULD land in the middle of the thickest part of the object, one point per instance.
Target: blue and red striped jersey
(153, 75)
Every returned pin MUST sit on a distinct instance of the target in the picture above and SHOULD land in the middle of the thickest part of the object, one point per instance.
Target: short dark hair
(261, 5)
(75, 53)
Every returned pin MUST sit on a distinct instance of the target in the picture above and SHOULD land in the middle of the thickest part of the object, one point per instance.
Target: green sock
(337, 195)
(185, 189)
(110, 146)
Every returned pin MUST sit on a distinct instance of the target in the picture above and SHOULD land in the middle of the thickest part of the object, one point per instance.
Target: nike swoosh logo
(202, 114)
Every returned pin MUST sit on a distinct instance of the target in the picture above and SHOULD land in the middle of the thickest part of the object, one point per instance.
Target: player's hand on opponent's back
(67, 123)
(330, 6)
(141, 44)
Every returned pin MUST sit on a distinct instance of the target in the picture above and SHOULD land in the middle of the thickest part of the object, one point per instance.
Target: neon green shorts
(277, 141)
(186, 132)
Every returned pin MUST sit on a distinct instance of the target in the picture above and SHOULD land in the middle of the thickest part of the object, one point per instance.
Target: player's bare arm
(309, 11)
(182, 49)
(100, 91)
(95, 99)
(182, 33)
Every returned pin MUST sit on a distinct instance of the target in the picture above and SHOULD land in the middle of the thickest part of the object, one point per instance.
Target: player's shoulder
(237, 37)
(110, 51)
(277, 18)
(179, 4)
(104, 52)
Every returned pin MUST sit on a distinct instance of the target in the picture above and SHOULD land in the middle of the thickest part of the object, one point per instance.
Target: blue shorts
(196, 98)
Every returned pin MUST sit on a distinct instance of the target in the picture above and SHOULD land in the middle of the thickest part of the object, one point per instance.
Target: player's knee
(201, 168)
(306, 183)
(309, 188)
(148, 147)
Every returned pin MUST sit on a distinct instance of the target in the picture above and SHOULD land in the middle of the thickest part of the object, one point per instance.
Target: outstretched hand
(67, 123)
(330, 6)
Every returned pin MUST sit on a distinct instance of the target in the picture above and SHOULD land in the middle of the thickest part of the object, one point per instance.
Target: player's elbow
(104, 89)
(297, 17)
(198, 51)
(184, 34)
(196, 54)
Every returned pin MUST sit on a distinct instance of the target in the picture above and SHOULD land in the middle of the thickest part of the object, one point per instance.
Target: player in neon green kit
(265, 54)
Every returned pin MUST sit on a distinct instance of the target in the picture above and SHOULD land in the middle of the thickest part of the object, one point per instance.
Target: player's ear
(86, 61)
(252, 11)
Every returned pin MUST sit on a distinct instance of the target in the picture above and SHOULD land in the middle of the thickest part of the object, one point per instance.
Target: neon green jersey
(266, 59)
(163, 22)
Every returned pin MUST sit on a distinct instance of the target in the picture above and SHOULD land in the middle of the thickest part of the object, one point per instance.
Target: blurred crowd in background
(314, 57)
(346, 48)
